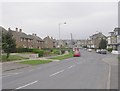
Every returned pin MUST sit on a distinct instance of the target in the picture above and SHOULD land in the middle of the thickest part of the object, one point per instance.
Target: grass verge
(12, 58)
(62, 57)
(35, 62)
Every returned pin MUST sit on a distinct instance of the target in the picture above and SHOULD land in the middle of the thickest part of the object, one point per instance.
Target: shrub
(56, 51)
(36, 50)
(110, 49)
(62, 51)
(40, 53)
(19, 50)
(47, 53)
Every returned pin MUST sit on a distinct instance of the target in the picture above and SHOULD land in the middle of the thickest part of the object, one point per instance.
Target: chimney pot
(9, 29)
(16, 29)
(20, 30)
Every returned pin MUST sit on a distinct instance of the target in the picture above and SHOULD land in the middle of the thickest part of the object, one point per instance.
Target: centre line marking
(27, 85)
(56, 73)
(71, 66)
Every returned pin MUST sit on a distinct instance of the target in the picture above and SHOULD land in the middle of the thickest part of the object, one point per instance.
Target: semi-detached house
(26, 41)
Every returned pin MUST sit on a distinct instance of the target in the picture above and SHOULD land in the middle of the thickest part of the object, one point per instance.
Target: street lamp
(59, 36)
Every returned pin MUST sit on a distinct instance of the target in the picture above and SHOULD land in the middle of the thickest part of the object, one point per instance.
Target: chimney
(16, 29)
(9, 29)
(20, 30)
(35, 34)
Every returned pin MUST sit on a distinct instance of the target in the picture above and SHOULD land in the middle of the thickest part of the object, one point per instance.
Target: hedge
(40, 53)
(19, 50)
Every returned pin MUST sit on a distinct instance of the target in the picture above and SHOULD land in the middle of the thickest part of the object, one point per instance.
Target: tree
(103, 44)
(8, 43)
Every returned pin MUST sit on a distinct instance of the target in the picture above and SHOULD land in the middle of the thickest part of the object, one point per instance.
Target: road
(89, 71)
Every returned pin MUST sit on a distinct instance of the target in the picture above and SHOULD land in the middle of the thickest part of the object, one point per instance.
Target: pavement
(112, 62)
(90, 71)
(14, 65)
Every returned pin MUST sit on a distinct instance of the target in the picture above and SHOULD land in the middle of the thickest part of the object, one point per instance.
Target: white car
(90, 50)
(98, 51)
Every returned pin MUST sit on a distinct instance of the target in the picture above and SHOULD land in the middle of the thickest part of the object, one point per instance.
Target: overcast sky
(82, 18)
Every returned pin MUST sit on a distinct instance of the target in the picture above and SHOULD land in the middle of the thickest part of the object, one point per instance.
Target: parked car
(103, 51)
(76, 52)
(98, 51)
(90, 50)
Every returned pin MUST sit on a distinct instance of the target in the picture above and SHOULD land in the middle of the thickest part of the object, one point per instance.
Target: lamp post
(60, 35)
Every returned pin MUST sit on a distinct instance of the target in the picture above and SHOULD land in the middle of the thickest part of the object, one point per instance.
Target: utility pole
(60, 36)
(71, 40)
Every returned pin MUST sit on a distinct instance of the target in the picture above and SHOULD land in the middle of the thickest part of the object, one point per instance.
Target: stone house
(26, 41)
(114, 38)
(35, 41)
(95, 39)
(49, 42)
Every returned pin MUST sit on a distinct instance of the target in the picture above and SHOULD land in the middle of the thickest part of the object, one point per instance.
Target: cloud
(83, 18)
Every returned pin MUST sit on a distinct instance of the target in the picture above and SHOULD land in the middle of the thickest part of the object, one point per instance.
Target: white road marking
(26, 85)
(71, 66)
(11, 74)
(56, 73)
(109, 75)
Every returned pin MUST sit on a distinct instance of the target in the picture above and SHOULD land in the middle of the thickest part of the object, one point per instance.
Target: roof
(98, 35)
(21, 34)
(46, 38)
(3, 30)
(117, 29)
(34, 37)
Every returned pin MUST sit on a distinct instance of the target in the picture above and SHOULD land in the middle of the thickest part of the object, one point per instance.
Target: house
(26, 41)
(114, 39)
(49, 42)
(81, 43)
(67, 43)
(35, 41)
(95, 39)
(54, 42)
(21, 38)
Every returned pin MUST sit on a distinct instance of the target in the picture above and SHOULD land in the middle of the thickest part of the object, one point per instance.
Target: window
(22, 39)
(24, 46)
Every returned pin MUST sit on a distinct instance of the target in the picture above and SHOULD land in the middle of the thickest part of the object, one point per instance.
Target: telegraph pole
(71, 40)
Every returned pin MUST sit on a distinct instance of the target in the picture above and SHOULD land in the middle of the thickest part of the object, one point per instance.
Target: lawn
(35, 62)
(12, 58)
(62, 57)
